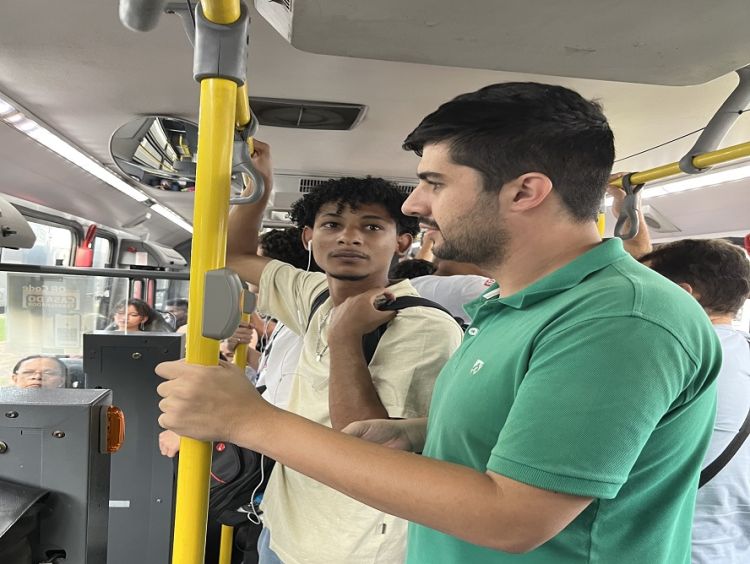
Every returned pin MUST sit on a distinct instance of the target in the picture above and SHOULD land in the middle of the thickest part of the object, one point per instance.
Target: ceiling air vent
(286, 3)
(405, 189)
(656, 221)
(305, 114)
(308, 184)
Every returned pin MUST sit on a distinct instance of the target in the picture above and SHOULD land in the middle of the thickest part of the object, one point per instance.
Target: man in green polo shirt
(571, 424)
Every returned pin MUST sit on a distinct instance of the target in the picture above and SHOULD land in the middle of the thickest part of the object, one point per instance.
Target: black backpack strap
(319, 300)
(723, 459)
(413, 301)
(708, 473)
(371, 340)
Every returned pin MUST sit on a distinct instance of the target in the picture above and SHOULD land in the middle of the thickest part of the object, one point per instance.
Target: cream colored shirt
(311, 523)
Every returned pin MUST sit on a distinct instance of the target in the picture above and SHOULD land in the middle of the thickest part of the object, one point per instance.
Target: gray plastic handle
(719, 125)
(222, 305)
(242, 162)
(140, 15)
(259, 186)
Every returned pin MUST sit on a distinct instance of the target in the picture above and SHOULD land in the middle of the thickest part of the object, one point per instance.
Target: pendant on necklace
(318, 356)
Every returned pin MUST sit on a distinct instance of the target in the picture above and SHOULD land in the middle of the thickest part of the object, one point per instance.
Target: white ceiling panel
(76, 67)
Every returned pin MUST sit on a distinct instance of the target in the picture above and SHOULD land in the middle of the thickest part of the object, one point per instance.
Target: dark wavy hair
(506, 130)
(717, 270)
(412, 268)
(354, 192)
(143, 309)
(286, 245)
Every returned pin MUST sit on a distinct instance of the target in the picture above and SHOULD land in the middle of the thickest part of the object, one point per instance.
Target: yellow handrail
(243, 107)
(216, 136)
(221, 110)
(221, 11)
(699, 161)
(227, 541)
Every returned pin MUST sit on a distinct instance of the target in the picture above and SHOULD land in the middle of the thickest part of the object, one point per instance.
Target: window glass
(53, 247)
(47, 314)
(102, 252)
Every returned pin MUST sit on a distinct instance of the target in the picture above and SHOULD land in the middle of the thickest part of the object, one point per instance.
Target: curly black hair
(412, 268)
(286, 245)
(354, 192)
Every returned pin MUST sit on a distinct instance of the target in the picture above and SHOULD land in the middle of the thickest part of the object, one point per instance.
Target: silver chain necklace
(321, 349)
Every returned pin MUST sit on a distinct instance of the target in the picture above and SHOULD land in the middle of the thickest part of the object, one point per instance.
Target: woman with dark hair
(136, 315)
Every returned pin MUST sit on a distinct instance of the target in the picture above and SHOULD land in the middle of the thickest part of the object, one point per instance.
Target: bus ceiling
(80, 71)
(670, 42)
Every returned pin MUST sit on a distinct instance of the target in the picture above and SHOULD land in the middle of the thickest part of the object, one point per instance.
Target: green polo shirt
(598, 381)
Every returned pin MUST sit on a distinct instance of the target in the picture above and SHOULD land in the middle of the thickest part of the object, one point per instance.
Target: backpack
(237, 475)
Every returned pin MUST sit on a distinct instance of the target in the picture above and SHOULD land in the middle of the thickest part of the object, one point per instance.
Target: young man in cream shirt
(353, 227)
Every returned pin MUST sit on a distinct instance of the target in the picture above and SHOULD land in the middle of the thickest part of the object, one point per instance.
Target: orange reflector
(115, 429)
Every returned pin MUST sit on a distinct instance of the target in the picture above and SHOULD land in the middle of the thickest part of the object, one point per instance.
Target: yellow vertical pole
(601, 223)
(215, 138)
(227, 532)
(225, 549)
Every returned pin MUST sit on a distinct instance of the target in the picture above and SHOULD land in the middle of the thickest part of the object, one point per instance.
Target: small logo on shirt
(477, 366)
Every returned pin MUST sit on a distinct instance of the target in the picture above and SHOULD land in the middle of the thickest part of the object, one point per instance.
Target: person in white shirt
(453, 284)
(717, 274)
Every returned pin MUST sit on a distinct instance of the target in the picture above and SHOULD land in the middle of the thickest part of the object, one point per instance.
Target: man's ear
(526, 192)
(306, 237)
(404, 243)
(14, 378)
(687, 287)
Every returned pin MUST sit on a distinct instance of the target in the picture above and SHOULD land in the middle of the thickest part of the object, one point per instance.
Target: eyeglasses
(42, 373)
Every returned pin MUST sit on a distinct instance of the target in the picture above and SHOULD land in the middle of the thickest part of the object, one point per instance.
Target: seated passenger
(39, 371)
(717, 274)
(178, 308)
(138, 316)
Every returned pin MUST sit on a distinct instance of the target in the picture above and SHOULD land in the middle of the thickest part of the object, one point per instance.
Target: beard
(478, 239)
(482, 249)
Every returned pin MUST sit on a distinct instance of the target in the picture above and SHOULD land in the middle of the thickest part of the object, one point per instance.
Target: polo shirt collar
(558, 281)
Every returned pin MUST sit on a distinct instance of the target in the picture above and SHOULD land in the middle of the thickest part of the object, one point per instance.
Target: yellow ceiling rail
(221, 11)
(704, 160)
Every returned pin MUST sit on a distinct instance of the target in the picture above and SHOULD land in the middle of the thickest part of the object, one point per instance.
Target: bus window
(48, 313)
(53, 247)
(102, 252)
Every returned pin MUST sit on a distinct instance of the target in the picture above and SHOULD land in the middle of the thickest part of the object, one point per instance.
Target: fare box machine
(55, 456)
(73, 487)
